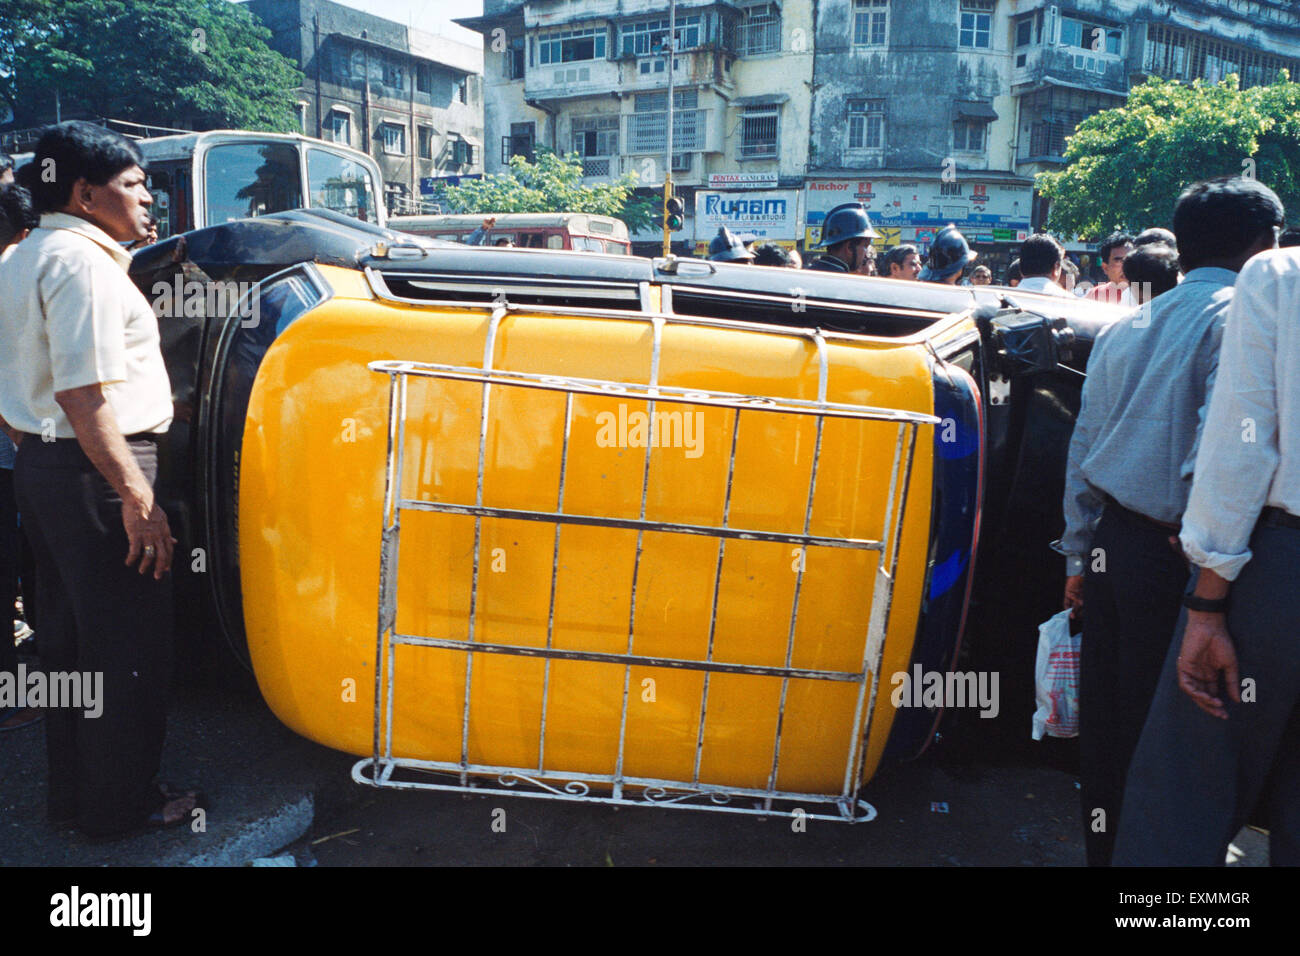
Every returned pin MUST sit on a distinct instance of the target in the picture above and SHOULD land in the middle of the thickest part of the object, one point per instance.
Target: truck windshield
(341, 184)
(251, 179)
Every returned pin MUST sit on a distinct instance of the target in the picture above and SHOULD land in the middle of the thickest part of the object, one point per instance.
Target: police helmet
(727, 247)
(949, 254)
(846, 221)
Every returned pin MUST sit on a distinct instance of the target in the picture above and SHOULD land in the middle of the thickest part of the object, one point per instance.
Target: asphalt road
(951, 807)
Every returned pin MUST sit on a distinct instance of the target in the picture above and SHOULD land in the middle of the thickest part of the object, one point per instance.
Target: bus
(206, 179)
(585, 232)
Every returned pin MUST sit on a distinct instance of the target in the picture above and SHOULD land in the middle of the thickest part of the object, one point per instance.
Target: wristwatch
(1211, 605)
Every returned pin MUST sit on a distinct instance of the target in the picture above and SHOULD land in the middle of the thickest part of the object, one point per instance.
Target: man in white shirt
(1040, 266)
(84, 389)
(1223, 736)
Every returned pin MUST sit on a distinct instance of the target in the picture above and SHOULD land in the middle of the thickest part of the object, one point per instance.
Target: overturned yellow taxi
(597, 527)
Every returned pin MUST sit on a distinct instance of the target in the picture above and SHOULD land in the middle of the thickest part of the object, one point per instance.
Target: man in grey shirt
(1128, 477)
(1222, 741)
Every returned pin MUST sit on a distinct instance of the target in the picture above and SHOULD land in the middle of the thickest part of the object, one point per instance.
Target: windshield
(341, 184)
(251, 179)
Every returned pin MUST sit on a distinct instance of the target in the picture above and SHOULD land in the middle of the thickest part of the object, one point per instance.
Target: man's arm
(96, 428)
(1235, 463)
(1082, 504)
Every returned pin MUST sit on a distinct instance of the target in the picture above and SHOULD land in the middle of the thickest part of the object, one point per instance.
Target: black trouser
(1129, 612)
(98, 615)
(1196, 779)
(8, 569)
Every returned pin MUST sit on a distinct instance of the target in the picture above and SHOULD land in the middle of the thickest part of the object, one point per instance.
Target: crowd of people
(1134, 269)
(1182, 511)
(1182, 532)
(1182, 499)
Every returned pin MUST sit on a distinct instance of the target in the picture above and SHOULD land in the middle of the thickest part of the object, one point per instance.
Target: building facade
(591, 77)
(412, 100)
(943, 111)
(928, 111)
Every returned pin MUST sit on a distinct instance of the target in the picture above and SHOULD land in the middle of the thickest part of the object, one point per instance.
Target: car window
(250, 179)
(341, 184)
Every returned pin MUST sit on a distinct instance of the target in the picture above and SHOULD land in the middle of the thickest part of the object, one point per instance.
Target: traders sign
(764, 214)
(982, 208)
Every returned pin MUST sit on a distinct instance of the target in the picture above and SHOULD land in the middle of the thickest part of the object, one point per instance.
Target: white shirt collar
(63, 220)
(1042, 284)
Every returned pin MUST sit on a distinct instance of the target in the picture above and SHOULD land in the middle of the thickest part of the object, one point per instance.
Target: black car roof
(276, 241)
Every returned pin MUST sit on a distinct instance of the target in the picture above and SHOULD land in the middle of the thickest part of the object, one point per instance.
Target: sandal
(158, 819)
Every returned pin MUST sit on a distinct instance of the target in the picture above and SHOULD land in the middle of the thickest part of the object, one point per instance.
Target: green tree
(199, 63)
(1126, 166)
(553, 184)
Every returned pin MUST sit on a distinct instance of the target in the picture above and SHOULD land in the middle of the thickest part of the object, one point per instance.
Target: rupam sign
(762, 213)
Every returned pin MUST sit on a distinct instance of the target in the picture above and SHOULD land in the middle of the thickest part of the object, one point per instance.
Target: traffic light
(674, 212)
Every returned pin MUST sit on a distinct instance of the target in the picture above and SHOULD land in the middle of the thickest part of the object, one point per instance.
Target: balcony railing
(567, 79)
(646, 132)
(596, 165)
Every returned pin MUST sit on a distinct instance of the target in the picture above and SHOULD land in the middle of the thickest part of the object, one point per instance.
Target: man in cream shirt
(85, 394)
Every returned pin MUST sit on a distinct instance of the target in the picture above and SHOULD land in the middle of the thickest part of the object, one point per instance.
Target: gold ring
(150, 549)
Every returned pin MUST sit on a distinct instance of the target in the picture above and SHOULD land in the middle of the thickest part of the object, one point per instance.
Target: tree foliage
(199, 63)
(552, 184)
(1126, 166)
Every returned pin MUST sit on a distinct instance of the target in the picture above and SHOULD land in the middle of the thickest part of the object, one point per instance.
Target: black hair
(1013, 271)
(1155, 234)
(896, 256)
(1038, 254)
(16, 212)
(1154, 267)
(78, 150)
(1290, 237)
(1113, 242)
(1222, 218)
(770, 254)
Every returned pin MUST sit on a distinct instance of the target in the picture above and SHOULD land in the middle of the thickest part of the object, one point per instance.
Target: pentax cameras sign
(764, 214)
(742, 180)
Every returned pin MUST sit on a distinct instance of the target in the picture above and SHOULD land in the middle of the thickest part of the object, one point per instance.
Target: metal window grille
(646, 132)
(1186, 56)
(760, 32)
(616, 786)
(758, 132)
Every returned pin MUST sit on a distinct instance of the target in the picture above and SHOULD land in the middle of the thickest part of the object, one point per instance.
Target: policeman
(950, 254)
(727, 247)
(846, 237)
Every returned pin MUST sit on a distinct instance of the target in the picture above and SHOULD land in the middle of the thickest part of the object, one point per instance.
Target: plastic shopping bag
(1056, 679)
